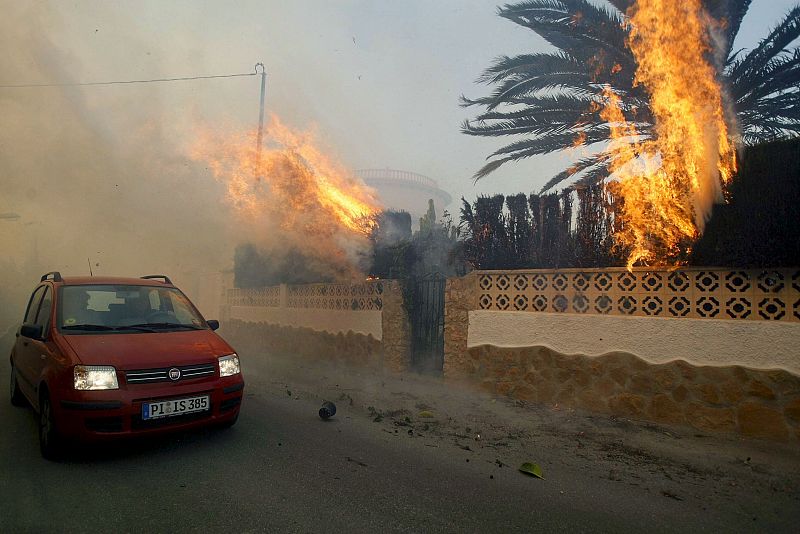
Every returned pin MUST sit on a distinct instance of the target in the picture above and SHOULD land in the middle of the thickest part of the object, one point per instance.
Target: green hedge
(760, 226)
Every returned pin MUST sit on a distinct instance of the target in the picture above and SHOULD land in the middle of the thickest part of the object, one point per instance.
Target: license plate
(167, 408)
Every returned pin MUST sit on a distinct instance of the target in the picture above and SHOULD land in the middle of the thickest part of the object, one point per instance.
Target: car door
(23, 350)
(41, 353)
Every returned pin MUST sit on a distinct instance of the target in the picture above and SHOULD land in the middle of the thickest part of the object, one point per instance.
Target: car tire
(17, 398)
(49, 440)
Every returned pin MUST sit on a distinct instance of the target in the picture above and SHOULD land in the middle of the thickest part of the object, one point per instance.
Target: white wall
(756, 344)
(334, 321)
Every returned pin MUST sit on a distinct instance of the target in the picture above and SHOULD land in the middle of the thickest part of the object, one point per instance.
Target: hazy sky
(104, 173)
(379, 79)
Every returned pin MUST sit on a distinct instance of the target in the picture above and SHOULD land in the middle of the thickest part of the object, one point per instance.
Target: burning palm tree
(562, 99)
(657, 86)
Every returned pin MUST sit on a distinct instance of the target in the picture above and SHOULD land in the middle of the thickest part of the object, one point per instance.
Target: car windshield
(117, 308)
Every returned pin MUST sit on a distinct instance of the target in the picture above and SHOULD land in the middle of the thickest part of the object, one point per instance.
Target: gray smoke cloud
(93, 174)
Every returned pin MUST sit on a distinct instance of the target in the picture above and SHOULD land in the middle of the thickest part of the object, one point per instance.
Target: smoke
(393, 228)
(93, 173)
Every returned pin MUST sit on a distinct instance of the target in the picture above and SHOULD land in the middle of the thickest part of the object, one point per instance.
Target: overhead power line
(123, 82)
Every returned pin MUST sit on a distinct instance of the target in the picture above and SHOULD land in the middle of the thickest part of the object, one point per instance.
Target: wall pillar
(396, 330)
(458, 300)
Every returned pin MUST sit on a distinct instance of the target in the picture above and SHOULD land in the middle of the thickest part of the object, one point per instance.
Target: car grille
(188, 372)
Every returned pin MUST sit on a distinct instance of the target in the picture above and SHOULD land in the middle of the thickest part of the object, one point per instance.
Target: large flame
(291, 194)
(669, 184)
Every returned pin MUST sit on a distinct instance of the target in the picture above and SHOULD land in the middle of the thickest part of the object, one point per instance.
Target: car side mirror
(32, 331)
(213, 324)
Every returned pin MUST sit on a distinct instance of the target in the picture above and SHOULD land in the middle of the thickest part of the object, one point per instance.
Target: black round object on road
(328, 410)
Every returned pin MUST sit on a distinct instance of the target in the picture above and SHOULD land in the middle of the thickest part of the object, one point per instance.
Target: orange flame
(313, 201)
(669, 183)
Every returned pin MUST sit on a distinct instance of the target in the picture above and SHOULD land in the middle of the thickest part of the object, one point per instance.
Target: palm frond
(550, 114)
(529, 64)
(622, 5)
(729, 15)
(600, 159)
(774, 44)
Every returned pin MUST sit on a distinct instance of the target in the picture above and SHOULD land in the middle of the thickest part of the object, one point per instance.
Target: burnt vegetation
(567, 229)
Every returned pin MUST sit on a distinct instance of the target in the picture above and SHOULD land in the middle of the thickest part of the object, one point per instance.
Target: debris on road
(327, 410)
(362, 464)
(426, 414)
(532, 469)
(377, 415)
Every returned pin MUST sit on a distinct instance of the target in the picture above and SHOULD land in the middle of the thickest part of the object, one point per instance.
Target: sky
(379, 80)
(104, 171)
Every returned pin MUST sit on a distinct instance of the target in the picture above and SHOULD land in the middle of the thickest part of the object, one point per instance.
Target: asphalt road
(282, 469)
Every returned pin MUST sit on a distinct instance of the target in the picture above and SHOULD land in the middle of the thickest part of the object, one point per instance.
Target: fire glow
(292, 193)
(669, 183)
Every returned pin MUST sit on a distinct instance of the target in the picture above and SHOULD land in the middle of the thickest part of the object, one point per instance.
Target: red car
(102, 357)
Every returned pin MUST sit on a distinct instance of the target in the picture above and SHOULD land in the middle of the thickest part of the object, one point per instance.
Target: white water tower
(406, 191)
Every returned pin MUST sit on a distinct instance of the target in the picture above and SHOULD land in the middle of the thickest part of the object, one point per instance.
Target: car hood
(148, 350)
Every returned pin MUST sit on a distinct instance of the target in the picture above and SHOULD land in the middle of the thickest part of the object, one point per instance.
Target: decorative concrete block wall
(715, 349)
(697, 293)
(361, 323)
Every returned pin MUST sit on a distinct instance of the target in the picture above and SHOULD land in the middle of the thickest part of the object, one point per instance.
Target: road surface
(282, 469)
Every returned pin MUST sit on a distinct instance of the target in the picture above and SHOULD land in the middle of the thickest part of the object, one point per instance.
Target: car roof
(111, 280)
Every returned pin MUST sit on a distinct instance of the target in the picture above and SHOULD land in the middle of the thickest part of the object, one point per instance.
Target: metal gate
(427, 324)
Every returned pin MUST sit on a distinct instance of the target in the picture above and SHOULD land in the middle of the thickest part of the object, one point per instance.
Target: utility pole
(263, 73)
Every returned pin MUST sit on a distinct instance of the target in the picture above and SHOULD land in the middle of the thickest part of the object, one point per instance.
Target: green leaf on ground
(426, 414)
(531, 469)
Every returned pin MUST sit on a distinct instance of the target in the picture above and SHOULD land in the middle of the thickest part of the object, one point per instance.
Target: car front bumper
(98, 415)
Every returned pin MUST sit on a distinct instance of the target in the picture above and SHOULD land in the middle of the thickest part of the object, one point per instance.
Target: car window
(114, 307)
(43, 317)
(99, 301)
(33, 304)
(183, 310)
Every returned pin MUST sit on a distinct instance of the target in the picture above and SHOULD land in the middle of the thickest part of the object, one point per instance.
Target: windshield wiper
(86, 327)
(134, 327)
(165, 325)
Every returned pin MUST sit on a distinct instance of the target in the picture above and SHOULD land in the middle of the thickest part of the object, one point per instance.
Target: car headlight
(229, 365)
(92, 377)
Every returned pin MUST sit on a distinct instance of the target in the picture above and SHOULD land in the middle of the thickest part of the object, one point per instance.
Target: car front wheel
(49, 442)
(17, 398)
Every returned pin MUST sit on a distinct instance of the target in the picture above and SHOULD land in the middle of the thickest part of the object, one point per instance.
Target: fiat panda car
(103, 358)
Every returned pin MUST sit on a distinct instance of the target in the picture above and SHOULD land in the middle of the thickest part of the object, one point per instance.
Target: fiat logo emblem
(174, 373)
